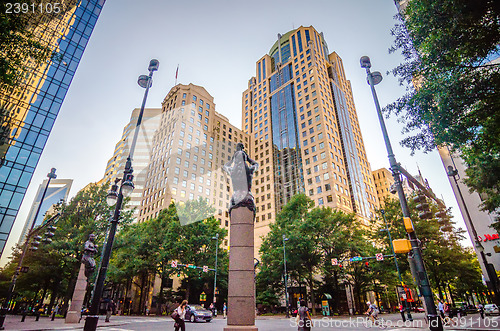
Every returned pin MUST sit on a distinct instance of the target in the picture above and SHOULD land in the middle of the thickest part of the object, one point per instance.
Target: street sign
(173, 264)
(379, 256)
(335, 262)
(205, 268)
(203, 297)
(356, 258)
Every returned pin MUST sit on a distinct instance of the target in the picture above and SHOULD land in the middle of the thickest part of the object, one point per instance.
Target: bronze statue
(89, 251)
(241, 177)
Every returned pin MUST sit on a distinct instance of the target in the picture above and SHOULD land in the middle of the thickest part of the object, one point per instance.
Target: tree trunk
(159, 307)
(313, 297)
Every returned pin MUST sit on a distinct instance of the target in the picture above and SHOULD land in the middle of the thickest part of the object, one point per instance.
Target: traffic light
(409, 295)
(178, 272)
(35, 243)
(49, 234)
(422, 206)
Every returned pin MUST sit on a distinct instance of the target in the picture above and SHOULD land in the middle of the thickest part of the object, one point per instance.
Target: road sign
(335, 262)
(356, 258)
(205, 268)
(379, 256)
(203, 297)
(25, 269)
(174, 264)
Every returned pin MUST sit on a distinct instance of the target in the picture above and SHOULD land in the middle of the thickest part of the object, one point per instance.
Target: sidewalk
(13, 322)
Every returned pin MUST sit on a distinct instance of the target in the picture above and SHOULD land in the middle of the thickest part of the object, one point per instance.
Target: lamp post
(5, 307)
(420, 274)
(285, 239)
(452, 172)
(216, 238)
(410, 318)
(115, 197)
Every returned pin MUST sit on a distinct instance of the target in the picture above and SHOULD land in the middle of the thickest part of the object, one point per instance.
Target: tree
(54, 267)
(147, 249)
(315, 235)
(447, 46)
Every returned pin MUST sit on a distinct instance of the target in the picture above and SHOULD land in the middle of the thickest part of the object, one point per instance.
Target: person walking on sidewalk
(402, 311)
(179, 322)
(110, 307)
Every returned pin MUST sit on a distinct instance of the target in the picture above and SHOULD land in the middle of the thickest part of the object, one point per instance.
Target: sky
(216, 45)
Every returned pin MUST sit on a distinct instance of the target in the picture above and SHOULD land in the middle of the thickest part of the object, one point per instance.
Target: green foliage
(148, 248)
(315, 235)
(54, 267)
(447, 45)
(19, 43)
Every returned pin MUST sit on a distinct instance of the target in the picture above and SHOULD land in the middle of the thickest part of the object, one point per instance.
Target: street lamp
(420, 274)
(452, 172)
(5, 307)
(285, 239)
(115, 197)
(408, 310)
(216, 238)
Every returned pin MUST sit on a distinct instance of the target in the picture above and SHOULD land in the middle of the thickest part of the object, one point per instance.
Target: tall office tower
(191, 145)
(300, 111)
(57, 192)
(28, 111)
(143, 148)
(383, 181)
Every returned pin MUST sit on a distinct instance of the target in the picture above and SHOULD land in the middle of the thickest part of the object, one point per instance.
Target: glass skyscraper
(300, 112)
(28, 112)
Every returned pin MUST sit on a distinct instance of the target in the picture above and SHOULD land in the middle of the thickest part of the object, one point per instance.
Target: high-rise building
(190, 147)
(142, 153)
(300, 112)
(383, 181)
(57, 192)
(28, 111)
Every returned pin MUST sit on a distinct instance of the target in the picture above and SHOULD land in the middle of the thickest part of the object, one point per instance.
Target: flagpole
(176, 73)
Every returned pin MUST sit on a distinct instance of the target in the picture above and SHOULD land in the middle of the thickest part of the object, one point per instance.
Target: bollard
(37, 317)
(24, 316)
(53, 315)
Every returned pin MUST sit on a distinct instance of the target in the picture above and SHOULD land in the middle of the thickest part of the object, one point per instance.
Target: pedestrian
(179, 322)
(303, 317)
(212, 309)
(110, 307)
(441, 308)
(481, 310)
(402, 311)
(224, 310)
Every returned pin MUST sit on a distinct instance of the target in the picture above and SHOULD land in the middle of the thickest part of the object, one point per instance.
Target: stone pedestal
(75, 309)
(241, 291)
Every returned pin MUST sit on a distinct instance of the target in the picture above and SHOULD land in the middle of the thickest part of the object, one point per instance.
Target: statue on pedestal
(89, 251)
(241, 178)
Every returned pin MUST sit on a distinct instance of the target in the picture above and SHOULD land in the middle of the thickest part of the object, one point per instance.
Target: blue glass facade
(286, 145)
(29, 111)
(358, 192)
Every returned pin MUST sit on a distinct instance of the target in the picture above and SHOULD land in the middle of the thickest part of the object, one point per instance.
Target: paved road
(393, 322)
(136, 323)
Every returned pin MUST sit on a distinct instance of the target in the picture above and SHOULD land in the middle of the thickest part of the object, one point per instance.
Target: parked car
(419, 310)
(196, 313)
(491, 309)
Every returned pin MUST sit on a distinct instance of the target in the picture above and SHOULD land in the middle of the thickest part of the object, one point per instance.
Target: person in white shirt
(181, 310)
(441, 308)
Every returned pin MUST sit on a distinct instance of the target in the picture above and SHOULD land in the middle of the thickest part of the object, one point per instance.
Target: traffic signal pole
(419, 273)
